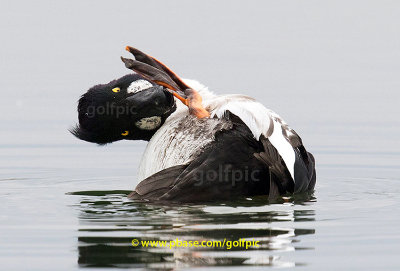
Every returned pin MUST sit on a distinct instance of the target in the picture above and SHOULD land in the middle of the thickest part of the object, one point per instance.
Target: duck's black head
(130, 107)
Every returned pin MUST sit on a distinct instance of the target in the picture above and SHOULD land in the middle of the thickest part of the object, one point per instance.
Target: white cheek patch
(149, 123)
(139, 85)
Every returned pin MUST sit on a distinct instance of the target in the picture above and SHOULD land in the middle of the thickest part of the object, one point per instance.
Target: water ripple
(109, 222)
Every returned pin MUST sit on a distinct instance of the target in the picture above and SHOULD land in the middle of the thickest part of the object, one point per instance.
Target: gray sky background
(327, 67)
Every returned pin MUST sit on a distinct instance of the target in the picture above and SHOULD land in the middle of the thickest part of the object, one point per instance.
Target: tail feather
(157, 184)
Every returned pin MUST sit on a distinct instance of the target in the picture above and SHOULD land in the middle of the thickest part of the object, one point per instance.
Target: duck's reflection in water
(109, 222)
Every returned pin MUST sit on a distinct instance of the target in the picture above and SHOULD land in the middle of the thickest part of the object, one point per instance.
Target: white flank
(176, 143)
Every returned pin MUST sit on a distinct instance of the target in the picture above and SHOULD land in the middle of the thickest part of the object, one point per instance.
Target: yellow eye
(116, 90)
(125, 133)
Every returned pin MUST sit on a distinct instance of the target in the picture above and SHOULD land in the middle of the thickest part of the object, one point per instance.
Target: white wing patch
(252, 113)
(260, 120)
(139, 85)
(283, 147)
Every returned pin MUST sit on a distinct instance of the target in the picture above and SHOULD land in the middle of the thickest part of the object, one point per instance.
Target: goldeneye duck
(201, 146)
(130, 107)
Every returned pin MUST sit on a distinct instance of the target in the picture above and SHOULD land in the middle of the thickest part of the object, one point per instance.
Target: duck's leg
(155, 71)
(195, 104)
(145, 58)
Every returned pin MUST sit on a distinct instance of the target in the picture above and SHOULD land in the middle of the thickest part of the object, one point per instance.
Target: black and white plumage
(241, 149)
(241, 134)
